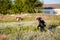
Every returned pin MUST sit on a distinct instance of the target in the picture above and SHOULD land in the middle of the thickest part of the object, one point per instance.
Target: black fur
(41, 24)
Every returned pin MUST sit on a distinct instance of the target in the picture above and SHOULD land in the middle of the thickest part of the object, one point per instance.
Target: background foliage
(20, 6)
(5, 6)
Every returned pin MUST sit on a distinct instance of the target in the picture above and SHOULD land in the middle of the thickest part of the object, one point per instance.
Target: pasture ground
(11, 29)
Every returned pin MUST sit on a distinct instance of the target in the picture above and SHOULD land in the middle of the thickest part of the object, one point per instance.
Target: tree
(28, 6)
(5, 6)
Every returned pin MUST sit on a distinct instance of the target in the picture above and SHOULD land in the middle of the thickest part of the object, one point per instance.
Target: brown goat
(19, 18)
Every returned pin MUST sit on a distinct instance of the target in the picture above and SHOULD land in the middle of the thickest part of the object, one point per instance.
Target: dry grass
(26, 29)
(30, 33)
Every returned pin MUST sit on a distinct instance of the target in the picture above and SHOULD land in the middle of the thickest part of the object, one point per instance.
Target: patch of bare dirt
(3, 36)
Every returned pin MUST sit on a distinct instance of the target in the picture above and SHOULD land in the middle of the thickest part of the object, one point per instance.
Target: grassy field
(11, 29)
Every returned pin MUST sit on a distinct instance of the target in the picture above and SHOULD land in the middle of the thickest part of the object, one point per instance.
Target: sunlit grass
(30, 33)
(27, 28)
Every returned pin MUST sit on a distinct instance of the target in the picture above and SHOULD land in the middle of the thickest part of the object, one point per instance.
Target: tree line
(20, 6)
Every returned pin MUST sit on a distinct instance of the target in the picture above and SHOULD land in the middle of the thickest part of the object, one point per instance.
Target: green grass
(30, 33)
(27, 28)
